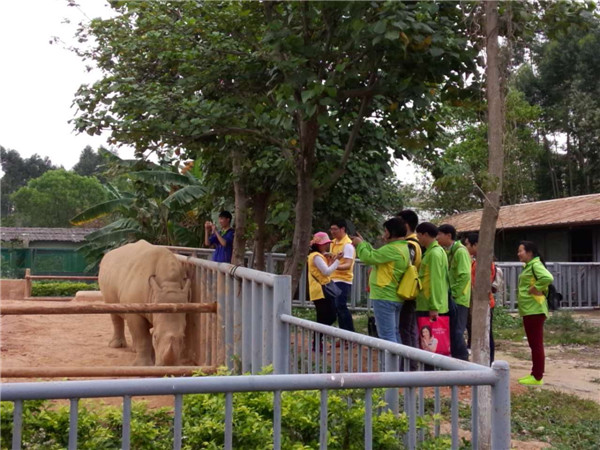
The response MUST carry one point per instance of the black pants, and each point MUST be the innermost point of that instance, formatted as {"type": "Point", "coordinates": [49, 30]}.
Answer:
{"type": "Point", "coordinates": [459, 315]}
{"type": "Point", "coordinates": [326, 311]}
{"type": "Point", "coordinates": [409, 331]}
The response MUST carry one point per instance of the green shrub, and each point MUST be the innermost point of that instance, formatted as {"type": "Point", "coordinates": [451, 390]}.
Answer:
{"type": "Point", "coordinates": [60, 289]}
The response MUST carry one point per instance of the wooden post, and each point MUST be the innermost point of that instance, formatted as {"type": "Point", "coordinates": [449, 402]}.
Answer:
{"type": "Point", "coordinates": [27, 283]}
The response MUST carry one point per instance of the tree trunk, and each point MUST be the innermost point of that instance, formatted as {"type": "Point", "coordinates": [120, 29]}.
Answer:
{"type": "Point", "coordinates": [305, 161]}
{"type": "Point", "coordinates": [241, 208]}
{"type": "Point", "coordinates": [260, 205]}
{"type": "Point", "coordinates": [481, 313]}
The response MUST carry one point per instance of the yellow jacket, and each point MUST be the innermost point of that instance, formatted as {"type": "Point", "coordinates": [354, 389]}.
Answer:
{"type": "Point", "coordinates": [346, 275]}
{"type": "Point", "coordinates": [315, 278]}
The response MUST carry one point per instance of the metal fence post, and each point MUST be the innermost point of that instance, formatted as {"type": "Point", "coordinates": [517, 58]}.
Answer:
{"type": "Point", "coordinates": [282, 304]}
{"type": "Point", "coordinates": [501, 407]}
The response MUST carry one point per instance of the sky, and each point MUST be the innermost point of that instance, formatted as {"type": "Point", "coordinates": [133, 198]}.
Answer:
{"type": "Point", "coordinates": [38, 80]}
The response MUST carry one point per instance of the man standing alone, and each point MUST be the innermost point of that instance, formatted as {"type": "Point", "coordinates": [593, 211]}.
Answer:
{"type": "Point", "coordinates": [221, 241]}
{"type": "Point", "coordinates": [344, 274]}
{"type": "Point", "coordinates": [459, 266]}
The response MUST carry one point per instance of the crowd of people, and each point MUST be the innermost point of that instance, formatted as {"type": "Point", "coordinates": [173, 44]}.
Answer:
{"type": "Point", "coordinates": [439, 316]}
{"type": "Point", "coordinates": [446, 273]}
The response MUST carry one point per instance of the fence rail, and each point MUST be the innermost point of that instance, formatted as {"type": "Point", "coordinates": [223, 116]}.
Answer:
{"type": "Point", "coordinates": [255, 328]}
{"type": "Point", "coordinates": [578, 282]}
{"type": "Point", "coordinates": [497, 377]}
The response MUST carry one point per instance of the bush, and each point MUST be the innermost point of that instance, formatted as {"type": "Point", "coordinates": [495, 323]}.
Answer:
{"type": "Point", "coordinates": [60, 289]}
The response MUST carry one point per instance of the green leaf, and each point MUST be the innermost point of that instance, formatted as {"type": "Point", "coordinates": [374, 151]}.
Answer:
{"type": "Point", "coordinates": [185, 196]}
{"type": "Point", "coordinates": [100, 210]}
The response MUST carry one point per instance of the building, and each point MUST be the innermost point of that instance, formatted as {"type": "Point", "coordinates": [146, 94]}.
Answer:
{"type": "Point", "coordinates": [565, 229]}
{"type": "Point", "coordinates": [46, 251]}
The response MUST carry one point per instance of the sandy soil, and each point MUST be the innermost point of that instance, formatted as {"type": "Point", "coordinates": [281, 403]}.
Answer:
{"type": "Point", "coordinates": [63, 340]}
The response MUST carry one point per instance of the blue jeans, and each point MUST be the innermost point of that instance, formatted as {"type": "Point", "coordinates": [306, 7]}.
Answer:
{"type": "Point", "coordinates": [387, 318]}
{"type": "Point", "coordinates": [341, 303]}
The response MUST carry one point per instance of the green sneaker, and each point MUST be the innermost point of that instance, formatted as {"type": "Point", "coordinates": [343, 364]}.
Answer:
{"type": "Point", "coordinates": [531, 381]}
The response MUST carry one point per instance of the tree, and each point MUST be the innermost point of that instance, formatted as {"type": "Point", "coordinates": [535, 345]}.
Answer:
{"type": "Point", "coordinates": [17, 172]}
{"type": "Point", "coordinates": [89, 163]}
{"type": "Point", "coordinates": [291, 75]}
{"type": "Point", "coordinates": [564, 85]}
{"type": "Point", "coordinates": [52, 199]}
{"type": "Point", "coordinates": [158, 204]}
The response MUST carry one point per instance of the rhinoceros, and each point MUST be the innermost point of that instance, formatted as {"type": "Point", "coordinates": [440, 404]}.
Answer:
{"type": "Point", "coordinates": [145, 273]}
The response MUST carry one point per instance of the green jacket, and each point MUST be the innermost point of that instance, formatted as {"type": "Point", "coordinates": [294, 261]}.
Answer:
{"type": "Point", "coordinates": [389, 264]}
{"type": "Point", "coordinates": [459, 266]}
{"type": "Point", "coordinates": [530, 304]}
{"type": "Point", "coordinates": [433, 274]}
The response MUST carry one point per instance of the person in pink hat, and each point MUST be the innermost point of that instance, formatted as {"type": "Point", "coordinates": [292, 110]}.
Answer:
{"type": "Point", "coordinates": [321, 264]}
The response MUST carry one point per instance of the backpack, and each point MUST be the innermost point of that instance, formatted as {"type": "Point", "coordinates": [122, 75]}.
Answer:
{"type": "Point", "coordinates": [409, 284]}
{"type": "Point", "coordinates": [553, 297]}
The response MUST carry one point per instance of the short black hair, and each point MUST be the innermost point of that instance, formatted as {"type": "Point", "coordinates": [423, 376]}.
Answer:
{"type": "Point", "coordinates": [340, 223]}
{"type": "Point", "coordinates": [427, 228]}
{"type": "Point", "coordinates": [226, 215]}
{"type": "Point", "coordinates": [410, 217]}
{"type": "Point", "coordinates": [396, 226]}
{"type": "Point", "coordinates": [448, 229]}
{"type": "Point", "coordinates": [473, 238]}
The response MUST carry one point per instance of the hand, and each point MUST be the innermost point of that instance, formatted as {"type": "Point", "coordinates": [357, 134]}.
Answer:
{"type": "Point", "coordinates": [534, 291]}
{"type": "Point", "coordinates": [433, 315]}
{"type": "Point", "coordinates": [208, 225]}
{"type": "Point", "coordinates": [357, 239]}
{"type": "Point", "coordinates": [213, 228]}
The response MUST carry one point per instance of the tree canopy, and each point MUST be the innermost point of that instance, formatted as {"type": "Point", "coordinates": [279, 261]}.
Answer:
{"type": "Point", "coordinates": [190, 78]}
{"type": "Point", "coordinates": [53, 198]}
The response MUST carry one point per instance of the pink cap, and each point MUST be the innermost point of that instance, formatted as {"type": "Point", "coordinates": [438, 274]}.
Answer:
{"type": "Point", "coordinates": [320, 238]}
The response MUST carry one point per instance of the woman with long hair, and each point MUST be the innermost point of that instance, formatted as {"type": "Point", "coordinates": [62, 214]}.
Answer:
{"type": "Point", "coordinates": [533, 307]}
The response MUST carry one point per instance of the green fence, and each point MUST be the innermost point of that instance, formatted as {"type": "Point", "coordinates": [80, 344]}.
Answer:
{"type": "Point", "coordinates": [42, 261]}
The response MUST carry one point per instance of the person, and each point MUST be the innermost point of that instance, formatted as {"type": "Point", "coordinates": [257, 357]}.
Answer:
{"type": "Point", "coordinates": [459, 269]}
{"type": "Point", "coordinates": [344, 274]}
{"type": "Point", "coordinates": [221, 241]}
{"type": "Point", "coordinates": [534, 281]}
{"type": "Point", "coordinates": [471, 243]}
{"type": "Point", "coordinates": [428, 342]}
{"type": "Point", "coordinates": [432, 299]}
{"type": "Point", "coordinates": [321, 264]}
{"type": "Point", "coordinates": [409, 331]}
{"type": "Point", "coordinates": [389, 264]}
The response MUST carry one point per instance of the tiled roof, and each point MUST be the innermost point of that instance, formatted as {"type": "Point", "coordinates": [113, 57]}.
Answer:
{"type": "Point", "coordinates": [562, 212]}
{"type": "Point", "coordinates": [44, 234]}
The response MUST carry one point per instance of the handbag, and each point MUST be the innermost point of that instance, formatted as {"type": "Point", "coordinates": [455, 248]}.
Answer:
{"type": "Point", "coordinates": [409, 284]}
{"type": "Point", "coordinates": [331, 290]}
{"type": "Point", "coordinates": [434, 336]}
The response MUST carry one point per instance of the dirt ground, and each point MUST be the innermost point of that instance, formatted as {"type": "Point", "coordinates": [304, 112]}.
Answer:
{"type": "Point", "coordinates": [67, 340]}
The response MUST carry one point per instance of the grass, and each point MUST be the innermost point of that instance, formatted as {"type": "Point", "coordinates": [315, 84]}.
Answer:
{"type": "Point", "coordinates": [564, 420]}
{"type": "Point", "coordinates": [560, 328]}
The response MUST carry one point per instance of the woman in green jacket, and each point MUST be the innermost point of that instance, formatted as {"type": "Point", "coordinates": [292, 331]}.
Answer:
{"type": "Point", "coordinates": [533, 307]}
{"type": "Point", "coordinates": [389, 264]}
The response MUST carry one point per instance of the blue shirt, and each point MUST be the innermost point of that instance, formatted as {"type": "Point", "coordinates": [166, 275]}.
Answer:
{"type": "Point", "coordinates": [222, 252]}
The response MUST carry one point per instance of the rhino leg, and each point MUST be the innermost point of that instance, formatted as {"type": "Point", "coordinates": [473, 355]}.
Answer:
{"type": "Point", "coordinates": [118, 340]}
{"type": "Point", "coordinates": [139, 328]}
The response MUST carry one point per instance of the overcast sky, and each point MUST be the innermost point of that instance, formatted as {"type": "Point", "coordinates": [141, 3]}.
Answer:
{"type": "Point", "coordinates": [38, 80]}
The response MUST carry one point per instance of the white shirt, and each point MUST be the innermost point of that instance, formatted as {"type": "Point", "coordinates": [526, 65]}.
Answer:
{"type": "Point", "coordinates": [323, 267]}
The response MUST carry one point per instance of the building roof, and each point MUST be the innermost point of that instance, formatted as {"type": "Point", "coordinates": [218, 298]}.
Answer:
{"type": "Point", "coordinates": [559, 213]}
{"type": "Point", "coordinates": [44, 234]}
